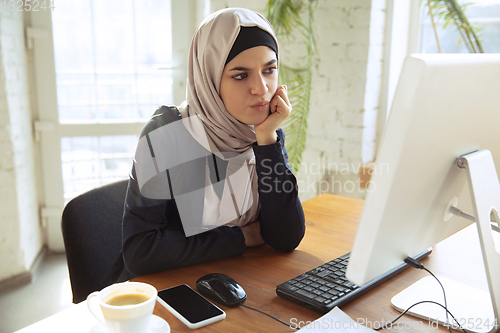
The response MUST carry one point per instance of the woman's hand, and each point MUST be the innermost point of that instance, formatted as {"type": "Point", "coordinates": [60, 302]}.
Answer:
{"type": "Point", "coordinates": [251, 232]}
{"type": "Point", "coordinates": [280, 109]}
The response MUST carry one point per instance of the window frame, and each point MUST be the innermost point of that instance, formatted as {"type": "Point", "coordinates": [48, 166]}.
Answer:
{"type": "Point", "coordinates": [49, 130]}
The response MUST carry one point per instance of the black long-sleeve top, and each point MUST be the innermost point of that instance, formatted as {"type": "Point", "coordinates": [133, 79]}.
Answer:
{"type": "Point", "coordinates": [153, 235]}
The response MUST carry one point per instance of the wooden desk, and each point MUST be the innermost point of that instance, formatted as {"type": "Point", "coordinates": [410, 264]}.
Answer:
{"type": "Point", "coordinates": [331, 223]}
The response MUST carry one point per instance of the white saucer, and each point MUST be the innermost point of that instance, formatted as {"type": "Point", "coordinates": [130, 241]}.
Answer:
{"type": "Point", "coordinates": [156, 325]}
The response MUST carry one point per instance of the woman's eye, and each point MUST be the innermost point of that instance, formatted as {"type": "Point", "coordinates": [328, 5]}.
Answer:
{"type": "Point", "coordinates": [270, 70]}
{"type": "Point", "coordinates": [240, 76]}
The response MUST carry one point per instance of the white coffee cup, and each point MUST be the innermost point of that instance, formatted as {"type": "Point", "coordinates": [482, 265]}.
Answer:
{"type": "Point", "coordinates": [130, 318]}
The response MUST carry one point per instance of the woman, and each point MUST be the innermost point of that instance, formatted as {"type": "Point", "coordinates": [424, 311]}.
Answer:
{"type": "Point", "coordinates": [235, 189]}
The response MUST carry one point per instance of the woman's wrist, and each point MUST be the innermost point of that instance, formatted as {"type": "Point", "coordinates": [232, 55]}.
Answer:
{"type": "Point", "coordinates": [252, 235]}
{"type": "Point", "coordinates": [264, 139]}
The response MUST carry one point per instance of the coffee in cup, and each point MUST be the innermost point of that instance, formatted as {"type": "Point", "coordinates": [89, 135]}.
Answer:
{"type": "Point", "coordinates": [126, 299]}
{"type": "Point", "coordinates": [124, 307]}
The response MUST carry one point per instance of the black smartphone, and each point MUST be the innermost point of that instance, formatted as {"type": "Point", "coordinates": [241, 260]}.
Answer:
{"type": "Point", "coordinates": [189, 306]}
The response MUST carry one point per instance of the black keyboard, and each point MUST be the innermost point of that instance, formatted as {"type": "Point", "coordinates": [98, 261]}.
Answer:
{"type": "Point", "coordinates": [326, 286]}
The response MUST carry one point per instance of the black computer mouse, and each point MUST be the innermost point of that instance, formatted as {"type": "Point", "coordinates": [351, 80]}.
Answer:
{"type": "Point", "coordinates": [221, 289]}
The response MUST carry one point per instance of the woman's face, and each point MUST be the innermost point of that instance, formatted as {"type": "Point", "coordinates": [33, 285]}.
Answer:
{"type": "Point", "coordinates": [248, 84]}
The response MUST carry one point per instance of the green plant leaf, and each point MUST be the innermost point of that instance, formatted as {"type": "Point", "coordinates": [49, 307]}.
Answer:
{"type": "Point", "coordinates": [295, 126]}
{"type": "Point", "coordinates": [286, 18]}
{"type": "Point", "coordinates": [451, 12]}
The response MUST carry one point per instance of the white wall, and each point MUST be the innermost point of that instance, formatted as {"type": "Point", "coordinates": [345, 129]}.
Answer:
{"type": "Point", "coordinates": [342, 124]}
{"type": "Point", "coordinates": [20, 231]}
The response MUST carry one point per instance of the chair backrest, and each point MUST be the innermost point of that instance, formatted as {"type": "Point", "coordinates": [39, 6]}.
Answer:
{"type": "Point", "coordinates": [92, 232]}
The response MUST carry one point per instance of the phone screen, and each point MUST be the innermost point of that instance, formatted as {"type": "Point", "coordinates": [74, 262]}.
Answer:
{"type": "Point", "coordinates": [189, 303]}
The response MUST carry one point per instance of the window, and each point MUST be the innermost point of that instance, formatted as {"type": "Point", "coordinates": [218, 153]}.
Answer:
{"type": "Point", "coordinates": [109, 59]}
{"type": "Point", "coordinates": [92, 161]}
{"type": "Point", "coordinates": [98, 77]}
{"type": "Point", "coordinates": [484, 13]}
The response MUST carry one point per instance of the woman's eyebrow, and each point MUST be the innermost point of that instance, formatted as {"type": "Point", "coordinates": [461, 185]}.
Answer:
{"type": "Point", "coordinates": [246, 69]}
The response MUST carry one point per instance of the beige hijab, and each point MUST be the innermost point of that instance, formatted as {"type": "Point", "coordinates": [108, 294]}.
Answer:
{"type": "Point", "coordinates": [207, 120]}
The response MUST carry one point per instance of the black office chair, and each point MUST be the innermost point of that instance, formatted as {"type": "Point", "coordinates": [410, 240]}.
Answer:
{"type": "Point", "coordinates": [92, 232]}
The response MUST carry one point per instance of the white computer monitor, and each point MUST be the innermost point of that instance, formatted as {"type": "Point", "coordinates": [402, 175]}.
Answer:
{"type": "Point", "coordinates": [445, 106]}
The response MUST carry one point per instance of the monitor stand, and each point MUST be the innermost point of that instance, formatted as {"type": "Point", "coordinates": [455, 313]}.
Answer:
{"type": "Point", "coordinates": [475, 309]}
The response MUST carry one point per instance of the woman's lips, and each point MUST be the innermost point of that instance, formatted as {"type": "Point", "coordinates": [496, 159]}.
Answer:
{"type": "Point", "coordinates": [261, 106]}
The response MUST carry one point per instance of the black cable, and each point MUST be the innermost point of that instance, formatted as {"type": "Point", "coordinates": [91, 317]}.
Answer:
{"type": "Point", "coordinates": [269, 316]}
{"type": "Point", "coordinates": [401, 315]}
{"type": "Point", "coordinates": [418, 265]}
{"type": "Point", "coordinates": [445, 304]}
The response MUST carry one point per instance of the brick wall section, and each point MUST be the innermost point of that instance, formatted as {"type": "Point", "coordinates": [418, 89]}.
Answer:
{"type": "Point", "coordinates": [344, 106]}
{"type": "Point", "coordinates": [20, 236]}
